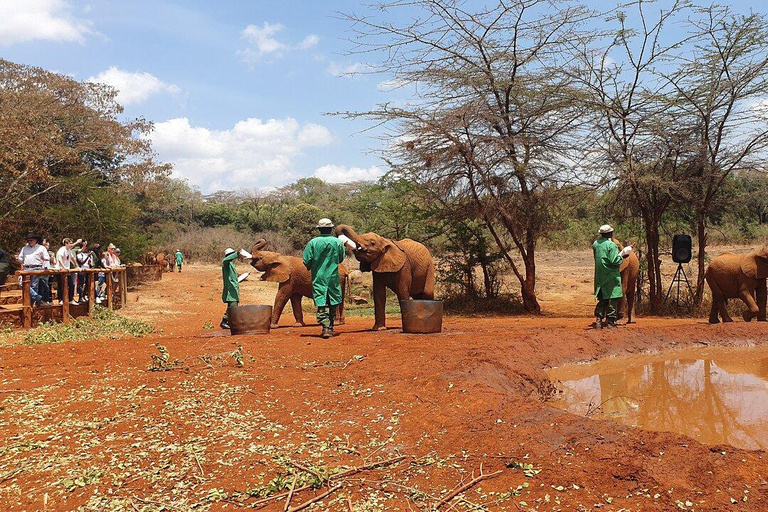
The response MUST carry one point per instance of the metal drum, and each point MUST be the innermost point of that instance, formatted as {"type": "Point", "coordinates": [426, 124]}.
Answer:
{"type": "Point", "coordinates": [250, 319]}
{"type": "Point", "coordinates": [422, 316]}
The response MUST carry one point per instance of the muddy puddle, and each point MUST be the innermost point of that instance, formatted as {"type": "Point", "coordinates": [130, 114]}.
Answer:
{"type": "Point", "coordinates": [714, 395]}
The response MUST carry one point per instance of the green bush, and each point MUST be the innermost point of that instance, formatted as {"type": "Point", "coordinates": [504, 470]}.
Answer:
{"type": "Point", "coordinates": [103, 323]}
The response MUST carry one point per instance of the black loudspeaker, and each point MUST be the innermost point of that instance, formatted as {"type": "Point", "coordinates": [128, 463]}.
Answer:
{"type": "Point", "coordinates": [681, 248]}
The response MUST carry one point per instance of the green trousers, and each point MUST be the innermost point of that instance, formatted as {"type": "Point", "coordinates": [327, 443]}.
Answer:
{"type": "Point", "coordinates": [325, 315]}
{"type": "Point", "coordinates": [607, 308]}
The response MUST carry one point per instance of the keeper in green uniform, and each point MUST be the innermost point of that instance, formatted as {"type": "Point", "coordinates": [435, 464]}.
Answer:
{"type": "Point", "coordinates": [322, 256]}
{"type": "Point", "coordinates": [179, 259]}
{"type": "Point", "coordinates": [230, 295]}
{"type": "Point", "coordinates": [608, 290]}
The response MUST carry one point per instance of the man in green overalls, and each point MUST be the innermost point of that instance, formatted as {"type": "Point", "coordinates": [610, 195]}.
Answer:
{"type": "Point", "coordinates": [230, 295]}
{"type": "Point", "coordinates": [607, 277]}
{"type": "Point", "coordinates": [322, 256]}
{"type": "Point", "coordinates": [179, 259]}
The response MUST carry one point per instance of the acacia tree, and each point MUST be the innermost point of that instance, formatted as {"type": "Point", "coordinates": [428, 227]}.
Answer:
{"type": "Point", "coordinates": [60, 139]}
{"type": "Point", "coordinates": [493, 116]}
{"type": "Point", "coordinates": [720, 95]}
{"type": "Point", "coordinates": [638, 139]}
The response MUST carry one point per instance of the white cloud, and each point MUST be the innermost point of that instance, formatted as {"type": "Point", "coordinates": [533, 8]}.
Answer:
{"type": "Point", "coordinates": [341, 174]}
{"type": "Point", "coordinates": [265, 43]}
{"type": "Point", "coordinates": [252, 154]}
{"type": "Point", "coordinates": [347, 70]}
{"type": "Point", "coordinates": [133, 87]}
{"type": "Point", "coordinates": [50, 20]}
{"type": "Point", "coordinates": [309, 42]}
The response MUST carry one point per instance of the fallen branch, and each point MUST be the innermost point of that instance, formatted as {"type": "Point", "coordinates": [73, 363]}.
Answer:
{"type": "Point", "coordinates": [290, 493]}
{"type": "Point", "coordinates": [465, 487]}
{"type": "Point", "coordinates": [343, 474]}
{"type": "Point", "coordinates": [373, 465]}
{"type": "Point", "coordinates": [315, 499]}
{"type": "Point", "coordinates": [307, 470]}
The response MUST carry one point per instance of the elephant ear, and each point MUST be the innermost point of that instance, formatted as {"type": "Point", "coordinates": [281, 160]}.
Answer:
{"type": "Point", "coordinates": [391, 260]}
{"type": "Point", "coordinates": [755, 265]}
{"type": "Point", "coordinates": [279, 271]}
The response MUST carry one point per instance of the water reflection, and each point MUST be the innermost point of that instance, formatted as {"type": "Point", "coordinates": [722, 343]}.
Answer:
{"type": "Point", "coordinates": [716, 396]}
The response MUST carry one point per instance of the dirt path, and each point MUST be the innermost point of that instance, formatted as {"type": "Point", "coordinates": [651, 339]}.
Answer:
{"type": "Point", "coordinates": [86, 426]}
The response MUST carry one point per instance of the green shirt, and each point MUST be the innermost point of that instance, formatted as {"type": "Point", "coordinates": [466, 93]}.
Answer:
{"type": "Point", "coordinates": [179, 258]}
{"type": "Point", "coordinates": [231, 292]}
{"type": "Point", "coordinates": [322, 256]}
{"type": "Point", "coordinates": [607, 263]}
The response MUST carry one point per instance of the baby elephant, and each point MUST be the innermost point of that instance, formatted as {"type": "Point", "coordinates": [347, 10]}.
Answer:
{"type": "Point", "coordinates": [742, 276]}
{"type": "Point", "coordinates": [295, 282]}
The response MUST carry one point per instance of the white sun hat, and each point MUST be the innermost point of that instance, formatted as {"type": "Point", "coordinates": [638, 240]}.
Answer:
{"type": "Point", "coordinates": [228, 251]}
{"type": "Point", "coordinates": [324, 223]}
{"type": "Point", "coordinates": [605, 229]}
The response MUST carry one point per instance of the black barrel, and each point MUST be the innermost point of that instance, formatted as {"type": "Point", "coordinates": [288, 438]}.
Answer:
{"type": "Point", "coordinates": [422, 316]}
{"type": "Point", "coordinates": [250, 319]}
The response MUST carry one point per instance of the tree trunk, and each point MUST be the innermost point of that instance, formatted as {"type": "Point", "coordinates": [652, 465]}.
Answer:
{"type": "Point", "coordinates": [528, 289]}
{"type": "Point", "coordinates": [701, 230]}
{"type": "Point", "coordinates": [655, 293]}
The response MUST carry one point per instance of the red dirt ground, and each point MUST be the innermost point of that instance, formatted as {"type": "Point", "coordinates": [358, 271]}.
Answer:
{"type": "Point", "coordinates": [86, 426]}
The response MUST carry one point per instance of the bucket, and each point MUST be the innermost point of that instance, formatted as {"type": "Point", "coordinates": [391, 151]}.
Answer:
{"type": "Point", "coordinates": [422, 316]}
{"type": "Point", "coordinates": [250, 319]}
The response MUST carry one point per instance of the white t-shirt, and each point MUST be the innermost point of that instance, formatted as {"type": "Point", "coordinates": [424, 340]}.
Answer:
{"type": "Point", "coordinates": [33, 256]}
{"type": "Point", "coordinates": [64, 258]}
{"type": "Point", "coordinates": [84, 259]}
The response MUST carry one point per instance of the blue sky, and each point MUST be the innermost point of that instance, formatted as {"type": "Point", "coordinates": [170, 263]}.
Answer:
{"type": "Point", "coordinates": [212, 76]}
{"type": "Point", "coordinates": [237, 89]}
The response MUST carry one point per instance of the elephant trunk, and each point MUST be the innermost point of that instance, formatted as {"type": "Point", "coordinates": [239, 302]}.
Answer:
{"type": "Point", "coordinates": [259, 245]}
{"type": "Point", "coordinates": [349, 233]}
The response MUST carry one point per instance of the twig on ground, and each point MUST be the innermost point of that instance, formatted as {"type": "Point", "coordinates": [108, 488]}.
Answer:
{"type": "Point", "coordinates": [11, 475]}
{"type": "Point", "coordinates": [343, 474]}
{"type": "Point", "coordinates": [307, 470]}
{"type": "Point", "coordinates": [200, 466]}
{"type": "Point", "coordinates": [315, 499]}
{"type": "Point", "coordinates": [349, 504]}
{"type": "Point", "coordinates": [290, 493]}
{"type": "Point", "coordinates": [466, 486]}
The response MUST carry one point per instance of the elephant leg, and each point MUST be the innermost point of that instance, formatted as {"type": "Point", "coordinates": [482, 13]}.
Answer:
{"type": "Point", "coordinates": [379, 304]}
{"type": "Point", "coordinates": [762, 295]}
{"type": "Point", "coordinates": [713, 318]}
{"type": "Point", "coordinates": [281, 299]}
{"type": "Point", "coordinates": [749, 300]}
{"type": "Point", "coordinates": [630, 306]}
{"type": "Point", "coordinates": [298, 314]}
{"type": "Point", "coordinates": [723, 309]}
{"type": "Point", "coordinates": [339, 318]}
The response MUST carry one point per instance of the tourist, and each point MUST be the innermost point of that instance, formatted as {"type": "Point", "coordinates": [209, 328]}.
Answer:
{"type": "Point", "coordinates": [322, 256]}
{"type": "Point", "coordinates": [5, 267]}
{"type": "Point", "coordinates": [85, 259]}
{"type": "Point", "coordinates": [65, 260]}
{"type": "Point", "coordinates": [44, 284]}
{"type": "Point", "coordinates": [32, 257]}
{"type": "Point", "coordinates": [608, 290]}
{"type": "Point", "coordinates": [230, 294]}
{"type": "Point", "coordinates": [179, 259]}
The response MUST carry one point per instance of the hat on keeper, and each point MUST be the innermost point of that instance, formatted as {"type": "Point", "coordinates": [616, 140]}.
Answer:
{"type": "Point", "coordinates": [324, 223]}
{"type": "Point", "coordinates": [228, 251]}
{"type": "Point", "coordinates": [605, 229]}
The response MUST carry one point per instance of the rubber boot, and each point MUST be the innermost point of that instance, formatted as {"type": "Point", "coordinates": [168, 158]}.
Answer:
{"type": "Point", "coordinates": [327, 333]}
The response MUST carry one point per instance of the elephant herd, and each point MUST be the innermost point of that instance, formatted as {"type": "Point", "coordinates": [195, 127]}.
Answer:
{"type": "Point", "coordinates": [406, 267]}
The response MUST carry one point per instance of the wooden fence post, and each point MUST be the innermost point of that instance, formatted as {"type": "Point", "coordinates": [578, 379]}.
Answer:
{"type": "Point", "coordinates": [92, 276]}
{"type": "Point", "coordinates": [64, 296]}
{"type": "Point", "coordinates": [110, 288]}
{"type": "Point", "coordinates": [123, 287]}
{"type": "Point", "coordinates": [26, 302]}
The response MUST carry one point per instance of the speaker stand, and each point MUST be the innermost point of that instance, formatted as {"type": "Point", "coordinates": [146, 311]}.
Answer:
{"type": "Point", "coordinates": [678, 278]}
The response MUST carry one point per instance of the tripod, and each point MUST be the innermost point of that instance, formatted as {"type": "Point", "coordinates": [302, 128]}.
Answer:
{"type": "Point", "coordinates": [678, 278]}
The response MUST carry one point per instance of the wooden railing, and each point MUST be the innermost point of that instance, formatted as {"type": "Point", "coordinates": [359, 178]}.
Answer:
{"type": "Point", "coordinates": [113, 290]}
